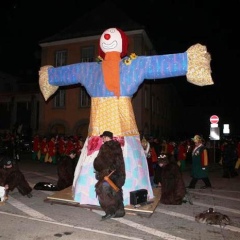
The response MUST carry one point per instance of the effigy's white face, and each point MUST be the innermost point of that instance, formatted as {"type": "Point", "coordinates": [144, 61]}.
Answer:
{"type": "Point", "coordinates": [111, 40]}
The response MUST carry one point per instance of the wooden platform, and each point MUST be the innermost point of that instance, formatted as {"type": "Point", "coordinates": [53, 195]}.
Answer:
{"type": "Point", "coordinates": [65, 197]}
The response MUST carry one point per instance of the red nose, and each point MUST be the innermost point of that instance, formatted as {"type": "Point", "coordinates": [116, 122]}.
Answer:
{"type": "Point", "coordinates": [107, 36]}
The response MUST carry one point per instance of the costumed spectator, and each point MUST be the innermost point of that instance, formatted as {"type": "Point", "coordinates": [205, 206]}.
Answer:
{"type": "Point", "coordinates": [146, 146]}
{"type": "Point", "coordinates": [61, 146]}
{"type": "Point", "coordinates": [190, 147]}
{"type": "Point", "coordinates": [43, 149]}
{"type": "Point", "coordinates": [157, 146]}
{"type": "Point", "coordinates": [65, 170]}
{"type": "Point", "coordinates": [175, 151]}
{"type": "Point", "coordinates": [152, 161]}
{"type": "Point", "coordinates": [171, 148]}
{"type": "Point", "coordinates": [210, 150]}
{"type": "Point", "coordinates": [111, 82]}
{"type": "Point", "coordinates": [158, 171]}
{"type": "Point", "coordinates": [199, 164]}
{"type": "Point", "coordinates": [52, 151]}
{"type": "Point", "coordinates": [70, 145]}
{"type": "Point", "coordinates": [36, 149]}
{"type": "Point", "coordinates": [109, 164]}
{"type": "Point", "coordinates": [181, 155]}
{"type": "Point", "coordinates": [11, 177]}
{"type": "Point", "coordinates": [154, 152]}
{"type": "Point", "coordinates": [173, 189]}
{"type": "Point", "coordinates": [229, 158]}
{"type": "Point", "coordinates": [147, 149]}
{"type": "Point", "coordinates": [164, 147]}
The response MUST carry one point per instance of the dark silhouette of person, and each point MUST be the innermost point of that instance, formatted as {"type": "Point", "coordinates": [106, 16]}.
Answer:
{"type": "Point", "coordinates": [229, 158]}
{"type": "Point", "coordinates": [65, 170]}
{"type": "Point", "coordinates": [173, 189]}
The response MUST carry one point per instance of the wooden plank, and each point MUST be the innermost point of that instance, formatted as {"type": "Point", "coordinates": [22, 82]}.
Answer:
{"type": "Point", "coordinates": [65, 197]}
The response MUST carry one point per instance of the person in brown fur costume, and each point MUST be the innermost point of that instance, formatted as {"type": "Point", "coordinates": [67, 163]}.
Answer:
{"type": "Point", "coordinates": [65, 170]}
{"type": "Point", "coordinates": [11, 177]}
{"type": "Point", "coordinates": [173, 188]}
{"type": "Point", "coordinates": [110, 160]}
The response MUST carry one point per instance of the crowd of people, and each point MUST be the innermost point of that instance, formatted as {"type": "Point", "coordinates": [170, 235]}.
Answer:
{"type": "Point", "coordinates": [45, 149]}
{"type": "Point", "coordinates": [227, 153]}
{"type": "Point", "coordinates": [166, 162]}
{"type": "Point", "coordinates": [49, 149]}
{"type": "Point", "coordinates": [62, 151]}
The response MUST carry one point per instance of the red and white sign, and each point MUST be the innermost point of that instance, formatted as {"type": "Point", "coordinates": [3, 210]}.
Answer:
{"type": "Point", "coordinates": [214, 119]}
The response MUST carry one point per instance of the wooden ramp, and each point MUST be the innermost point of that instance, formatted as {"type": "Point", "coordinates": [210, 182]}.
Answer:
{"type": "Point", "coordinates": [65, 197]}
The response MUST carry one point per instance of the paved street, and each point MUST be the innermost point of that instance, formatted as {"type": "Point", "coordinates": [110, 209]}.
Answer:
{"type": "Point", "coordinates": [32, 218]}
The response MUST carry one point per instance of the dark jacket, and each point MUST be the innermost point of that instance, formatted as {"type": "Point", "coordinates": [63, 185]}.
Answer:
{"type": "Point", "coordinates": [14, 178]}
{"type": "Point", "coordinates": [172, 186]}
{"type": "Point", "coordinates": [198, 169]}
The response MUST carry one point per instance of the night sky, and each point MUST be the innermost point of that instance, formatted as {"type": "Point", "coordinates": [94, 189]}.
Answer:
{"type": "Point", "coordinates": [173, 27]}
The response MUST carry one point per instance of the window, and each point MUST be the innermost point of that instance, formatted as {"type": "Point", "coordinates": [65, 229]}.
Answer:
{"type": "Point", "coordinates": [85, 100]}
{"type": "Point", "coordinates": [87, 54]}
{"type": "Point", "coordinates": [60, 98]}
{"type": "Point", "coordinates": [61, 58]}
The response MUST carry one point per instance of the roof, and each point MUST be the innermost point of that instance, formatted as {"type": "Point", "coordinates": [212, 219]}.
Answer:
{"type": "Point", "coordinates": [94, 22]}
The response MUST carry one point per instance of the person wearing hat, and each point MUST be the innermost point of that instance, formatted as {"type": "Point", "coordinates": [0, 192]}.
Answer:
{"type": "Point", "coordinates": [106, 136]}
{"type": "Point", "coordinates": [109, 163]}
{"type": "Point", "coordinates": [199, 164]}
{"type": "Point", "coordinates": [11, 177]}
{"type": "Point", "coordinates": [150, 153]}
